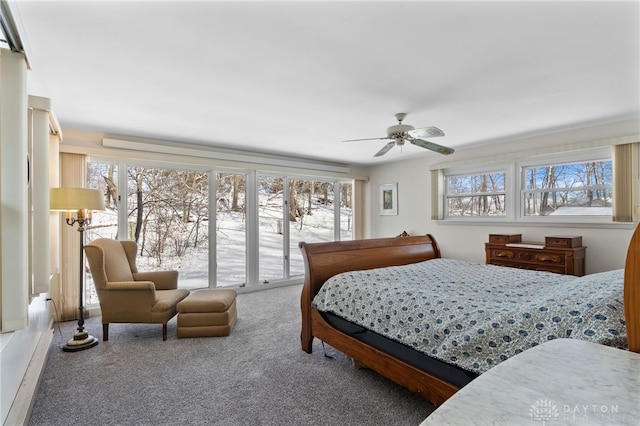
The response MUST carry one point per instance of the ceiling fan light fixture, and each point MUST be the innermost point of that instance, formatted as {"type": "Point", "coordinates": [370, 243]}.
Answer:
{"type": "Point", "coordinates": [399, 129]}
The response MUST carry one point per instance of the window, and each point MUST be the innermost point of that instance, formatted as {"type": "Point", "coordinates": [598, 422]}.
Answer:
{"type": "Point", "coordinates": [297, 209]}
{"type": "Point", "coordinates": [312, 213]}
{"type": "Point", "coordinates": [251, 236]}
{"type": "Point", "coordinates": [167, 215]}
{"type": "Point", "coordinates": [577, 189]}
{"type": "Point", "coordinates": [104, 224]}
{"type": "Point", "coordinates": [231, 229]}
{"type": "Point", "coordinates": [271, 228]}
{"type": "Point", "coordinates": [346, 211]}
{"type": "Point", "coordinates": [576, 185]}
{"type": "Point", "coordinates": [481, 194]}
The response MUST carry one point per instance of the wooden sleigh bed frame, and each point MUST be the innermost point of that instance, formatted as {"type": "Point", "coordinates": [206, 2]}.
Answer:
{"type": "Point", "coordinates": [324, 260]}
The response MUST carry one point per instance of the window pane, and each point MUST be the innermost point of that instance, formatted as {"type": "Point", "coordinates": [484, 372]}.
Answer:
{"type": "Point", "coordinates": [346, 212]}
{"type": "Point", "coordinates": [568, 203]}
{"type": "Point", "coordinates": [168, 218]}
{"type": "Point", "coordinates": [231, 229]}
{"type": "Point", "coordinates": [476, 195]}
{"type": "Point", "coordinates": [271, 236]}
{"type": "Point", "coordinates": [574, 175]}
{"type": "Point", "coordinates": [483, 205]}
{"type": "Point", "coordinates": [472, 184]}
{"type": "Point", "coordinates": [568, 189]}
{"type": "Point", "coordinates": [104, 224]}
{"type": "Point", "coordinates": [311, 217]}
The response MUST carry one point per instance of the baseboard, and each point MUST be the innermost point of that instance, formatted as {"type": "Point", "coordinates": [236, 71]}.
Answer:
{"type": "Point", "coordinates": [23, 402]}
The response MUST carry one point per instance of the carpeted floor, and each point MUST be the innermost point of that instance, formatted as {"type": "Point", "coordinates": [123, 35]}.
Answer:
{"type": "Point", "coordinates": [258, 375]}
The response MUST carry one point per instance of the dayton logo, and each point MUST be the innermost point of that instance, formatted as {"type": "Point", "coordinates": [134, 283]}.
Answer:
{"type": "Point", "coordinates": [544, 411]}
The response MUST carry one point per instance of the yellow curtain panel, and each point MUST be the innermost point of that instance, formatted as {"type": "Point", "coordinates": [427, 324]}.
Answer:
{"type": "Point", "coordinates": [626, 172]}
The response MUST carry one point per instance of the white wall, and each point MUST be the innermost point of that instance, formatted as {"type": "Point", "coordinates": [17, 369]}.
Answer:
{"type": "Point", "coordinates": [606, 246]}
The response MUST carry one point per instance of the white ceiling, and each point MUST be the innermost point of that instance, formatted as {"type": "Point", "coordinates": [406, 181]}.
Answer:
{"type": "Point", "coordinates": [297, 78]}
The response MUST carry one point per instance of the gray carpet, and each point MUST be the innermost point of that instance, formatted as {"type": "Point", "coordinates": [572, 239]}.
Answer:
{"type": "Point", "coordinates": [258, 375]}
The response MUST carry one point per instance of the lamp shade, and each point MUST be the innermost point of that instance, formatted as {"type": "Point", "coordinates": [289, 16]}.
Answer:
{"type": "Point", "coordinates": [76, 199]}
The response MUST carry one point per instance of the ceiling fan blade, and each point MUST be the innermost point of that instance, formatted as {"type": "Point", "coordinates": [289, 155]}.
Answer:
{"type": "Point", "coordinates": [366, 139]}
{"type": "Point", "coordinates": [385, 149]}
{"type": "Point", "coordinates": [426, 132]}
{"type": "Point", "coordinates": [432, 146]}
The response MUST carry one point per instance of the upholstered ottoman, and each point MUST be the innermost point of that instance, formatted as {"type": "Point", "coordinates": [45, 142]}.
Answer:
{"type": "Point", "coordinates": [207, 313]}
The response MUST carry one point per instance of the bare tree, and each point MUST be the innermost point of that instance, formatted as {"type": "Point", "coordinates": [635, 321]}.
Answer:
{"type": "Point", "coordinates": [137, 174]}
{"type": "Point", "coordinates": [238, 183]}
{"type": "Point", "coordinates": [111, 190]}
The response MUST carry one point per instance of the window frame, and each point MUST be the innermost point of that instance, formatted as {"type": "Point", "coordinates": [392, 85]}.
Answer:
{"type": "Point", "coordinates": [586, 155]}
{"type": "Point", "coordinates": [252, 232]}
{"type": "Point", "coordinates": [485, 168]}
{"type": "Point", "coordinates": [514, 190]}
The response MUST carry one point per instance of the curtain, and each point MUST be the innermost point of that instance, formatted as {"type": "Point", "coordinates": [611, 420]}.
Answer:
{"type": "Point", "coordinates": [358, 209]}
{"type": "Point", "coordinates": [72, 174]}
{"type": "Point", "coordinates": [437, 193]}
{"type": "Point", "coordinates": [626, 173]}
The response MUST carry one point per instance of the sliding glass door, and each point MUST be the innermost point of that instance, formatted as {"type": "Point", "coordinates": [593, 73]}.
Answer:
{"type": "Point", "coordinates": [311, 217]}
{"type": "Point", "coordinates": [295, 209]}
{"type": "Point", "coordinates": [218, 229]}
{"type": "Point", "coordinates": [231, 229]}
{"type": "Point", "coordinates": [271, 232]}
{"type": "Point", "coordinates": [167, 215]}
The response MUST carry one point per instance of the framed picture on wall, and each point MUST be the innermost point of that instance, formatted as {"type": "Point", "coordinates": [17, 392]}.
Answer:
{"type": "Point", "coordinates": [389, 199]}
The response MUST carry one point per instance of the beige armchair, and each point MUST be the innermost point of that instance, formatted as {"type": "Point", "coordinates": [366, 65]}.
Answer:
{"type": "Point", "coordinates": [129, 296]}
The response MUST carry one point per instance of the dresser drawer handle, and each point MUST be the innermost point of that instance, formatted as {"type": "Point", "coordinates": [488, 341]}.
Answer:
{"type": "Point", "coordinates": [548, 258]}
{"type": "Point", "coordinates": [508, 254]}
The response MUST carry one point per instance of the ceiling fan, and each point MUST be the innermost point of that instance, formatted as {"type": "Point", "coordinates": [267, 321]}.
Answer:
{"type": "Point", "coordinates": [400, 133]}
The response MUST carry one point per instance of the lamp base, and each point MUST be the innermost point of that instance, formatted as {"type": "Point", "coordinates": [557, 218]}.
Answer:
{"type": "Point", "coordinates": [81, 340]}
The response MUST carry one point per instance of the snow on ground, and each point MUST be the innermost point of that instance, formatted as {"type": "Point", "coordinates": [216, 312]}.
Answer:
{"type": "Point", "coordinates": [582, 211]}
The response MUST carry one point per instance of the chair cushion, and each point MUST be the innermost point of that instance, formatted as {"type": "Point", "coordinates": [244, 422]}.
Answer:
{"type": "Point", "coordinates": [204, 319]}
{"type": "Point", "coordinates": [208, 300]}
{"type": "Point", "coordinates": [166, 300]}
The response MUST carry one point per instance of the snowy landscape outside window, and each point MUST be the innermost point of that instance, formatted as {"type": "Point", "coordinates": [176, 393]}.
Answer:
{"type": "Point", "coordinates": [104, 224]}
{"type": "Point", "coordinates": [168, 215]}
{"type": "Point", "coordinates": [568, 189]}
{"type": "Point", "coordinates": [304, 210]}
{"type": "Point", "coordinates": [573, 186]}
{"type": "Point", "coordinates": [231, 229]}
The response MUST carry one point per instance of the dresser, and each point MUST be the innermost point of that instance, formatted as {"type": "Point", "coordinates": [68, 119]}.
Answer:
{"type": "Point", "coordinates": [561, 254]}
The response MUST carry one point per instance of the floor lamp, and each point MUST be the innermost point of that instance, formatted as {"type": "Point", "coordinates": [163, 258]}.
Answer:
{"type": "Point", "coordinates": [82, 201]}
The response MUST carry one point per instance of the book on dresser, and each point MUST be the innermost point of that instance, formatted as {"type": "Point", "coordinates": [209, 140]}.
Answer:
{"type": "Point", "coordinates": [562, 254]}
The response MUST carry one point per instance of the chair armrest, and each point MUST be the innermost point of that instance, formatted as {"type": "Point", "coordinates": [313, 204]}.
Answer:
{"type": "Point", "coordinates": [119, 298]}
{"type": "Point", "coordinates": [164, 280]}
{"type": "Point", "coordinates": [131, 286]}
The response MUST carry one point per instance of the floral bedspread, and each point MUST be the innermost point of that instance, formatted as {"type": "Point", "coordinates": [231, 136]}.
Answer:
{"type": "Point", "coordinates": [476, 316]}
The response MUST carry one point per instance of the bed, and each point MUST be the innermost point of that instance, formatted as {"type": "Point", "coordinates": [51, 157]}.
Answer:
{"type": "Point", "coordinates": [430, 371]}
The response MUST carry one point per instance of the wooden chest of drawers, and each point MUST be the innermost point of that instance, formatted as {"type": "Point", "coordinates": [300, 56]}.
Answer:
{"type": "Point", "coordinates": [557, 254]}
